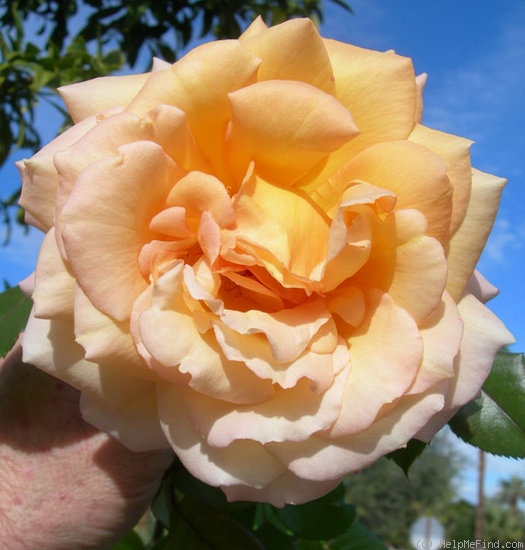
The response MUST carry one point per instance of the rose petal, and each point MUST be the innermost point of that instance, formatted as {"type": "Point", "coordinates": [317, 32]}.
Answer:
{"type": "Point", "coordinates": [290, 415]}
{"type": "Point", "coordinates": [39, 177]}
{"type": "Point", "coordinates": [224, 66]}
{"type": "Point", "coordinates": [54, 284]}
{"type": "Point", "coordinates": [455, 151]}
{"type": "Point", "coordinates": [91, 97]}
{"type": "Point", "coordinates": [415, 174]}
{"type": "Point", "coordinates": [316, 124]}
{"type": "Point", "coordinates": [102, 241]}
{"type": "Point", "coordinates": [320, 458]}
{"type": "Point", "coordinates": [379, 89]}
{"type": "Point", "coordinates": [484, 334]}
{"type": "Point", "coordinates": [112, 402]}
{"type": "Point", "coordinates": [216, 466]}
{"type": "Point", "coordinates": [441, 333]}
{"type": "Point", "coordinates": [292, 50]}
{"type": "Point", "coordinates": [386, 351]}
{"type": "Point", "coordinates": [468, 242]}
{"type": "Point", "coordinates": [273, 224]}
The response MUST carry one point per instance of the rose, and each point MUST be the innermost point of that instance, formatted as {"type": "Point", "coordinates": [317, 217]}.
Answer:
{"type": "Point", "coordinates": [260, 257]}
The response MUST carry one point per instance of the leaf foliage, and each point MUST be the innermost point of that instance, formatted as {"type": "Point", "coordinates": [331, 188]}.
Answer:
{"type": "Point", "coordinates": [14, 312]}
{"type": "Point", "coordinates": [495, 422]}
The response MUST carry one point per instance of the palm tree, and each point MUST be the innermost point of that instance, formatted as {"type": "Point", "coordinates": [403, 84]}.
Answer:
{"type": "Point", "coordinates": [511, 491]}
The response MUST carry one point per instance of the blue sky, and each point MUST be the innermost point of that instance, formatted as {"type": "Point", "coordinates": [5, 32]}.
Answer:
{"type": "Point", "coordinates": [474, 54]}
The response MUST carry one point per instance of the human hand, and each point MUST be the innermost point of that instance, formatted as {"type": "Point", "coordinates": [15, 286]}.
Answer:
{"type": "Point", "coordinates": [63, 484]}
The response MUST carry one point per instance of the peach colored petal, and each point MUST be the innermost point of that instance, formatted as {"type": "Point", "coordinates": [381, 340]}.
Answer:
{"type": "Point", "coordinates": [386, 351]}
{"type": "Point", "coordinates": [199, 84]}
{"type": "Point", "coordinates": [91, 97]}
{"type": "Point", "coordinates": [255, 27]}
{"type": "Point", "coordinates": [232, 465]}
{"type": "Point", "coordinates": [286, 489]}
{"type": "Point", "coordinates": [351, 233]}
{"type": "Point", "coordinates": [455, 151]}
{"type": "Point", "coordinates": [165, 125]}
{"type": "Point", "coordinates": [421, 80]}
{"type": "Point", "coordinates": [415, 174]}
{"type": "Point", "coordinates": [316, 124]}
{"type": "Point", "coordinates": [197, 193]}
{"type": "Point", "coordinates": [292, 50]}
{"type": "Point", "coordinates": [482, 289]}
{"type": "Point", "coordinates": [273, 224]}
{"type": "Point", "coordinates": [39, 177]}
{"type": "Point", "coordinates": [54, 284]}
{"type": "Point", "coordinates": [349, 304]}
{"type": "Point", "coordinates": [379, 89]}
{"type": "Point", "coordinates": [468, 242]}
{"type": "Point", "coordinates": [106, 341]}
{"type": "Point", "coordinates": [484, 334]}
{"type": "Point", "coordinates": [321, 458]}
{"type": "Point", "coordinates": [288, 331]}
{"type": "Point", "coordinates": [290, 415]}
{"type": "Point", "coordinates": [419, 276]}
{"type": "Point", "coordinates": [319, 363]}
{"type": "Point", "coordinates": [441, 333]}
{"type": "Point", "coordinates": [127, 411]}
{"type": "Point", "coordinates": [105, 223]}
{"type": "Point", "coordinates": [114, 403]}
{"type": "Point", "coordinates": [180, 344]}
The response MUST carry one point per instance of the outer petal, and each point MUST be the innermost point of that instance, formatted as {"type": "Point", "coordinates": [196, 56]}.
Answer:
{"type": "Point", "coordinates": [54, 290]}
{"type": "Point", "coordinates": [484, 334]}
{"type": "Point", "coordinates": [286, 127]}
{"type": "Point", "coordinates": [385, 355]}
{"type": "Point", "coordinates": [123, 406]}
{"type": "Point", "coordinates": [291, 415]}
{"type": "Point", "coordinates": [106, 222]}
{"type": "Point", "coordinates": [415, 174]}
{"type": "Point", "coordinates": [286, 489]}
{"type": "Point", "coordinates": [441, 333]}
{"type": "Point", "coordinates": [216, 466]}
{"type": "Point", "coordinates": [321, 458]}
{"type": "Point", "coordinates": [223, 66]}
{"type": "Point", "coordinates": [455, 151]}
{"type": "Point", "coordinates": [379, 89]}
{"type": "Point", "coordinates": [468, 242]}
{"type": "Point", "coordinates": [292, 50]}
{"type": "Point", "coordinates": [106, 341]}
{"type": "Point", "coordinates": [39, 177]}
{"type": "Point", "coordinates": [91, 97]}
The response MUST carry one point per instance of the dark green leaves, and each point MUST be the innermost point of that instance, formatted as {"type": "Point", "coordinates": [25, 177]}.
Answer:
{"type": "Point", "coordinates": [324, 518]}
{"type": "Point", "coordinates": [406, 456]}
{"type": "Point", "coordinates": [495, 422]}
{"type": "Point", "coordinates": [198, 517]}
{"type": "Point", "coordinates": [14, 312]}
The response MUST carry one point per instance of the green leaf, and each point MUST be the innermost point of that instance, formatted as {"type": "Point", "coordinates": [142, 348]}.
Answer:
{"type": "Point", "coordinates": [195, 526]}
{"type": "Point", "coordinates": [274, 538]}
{"type": "Point", "coordinates": [357, 537]}
{"type": "Point", "coordinates": [406, 456]}
{"type": "Point", "coordinates": [130, 542]}
{"type": "Point", "coordinates": [495, 422]}
{"type": "Point", "coordinates": [14, 312]}
{"type": "Point", "coordinates": [324, 518]}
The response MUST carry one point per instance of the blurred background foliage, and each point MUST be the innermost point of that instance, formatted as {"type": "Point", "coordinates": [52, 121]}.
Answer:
{"type": "Point", "coordinates": [45, 44]}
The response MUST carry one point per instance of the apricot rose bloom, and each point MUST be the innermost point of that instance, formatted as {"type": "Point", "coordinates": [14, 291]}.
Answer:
{"type": "Point", "coordinates": [259, 257]}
